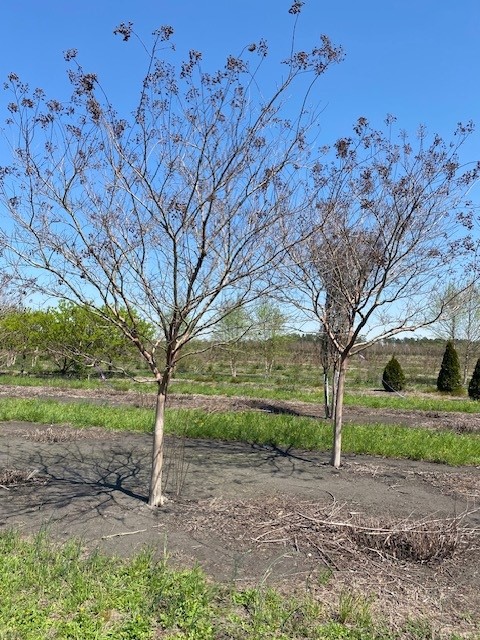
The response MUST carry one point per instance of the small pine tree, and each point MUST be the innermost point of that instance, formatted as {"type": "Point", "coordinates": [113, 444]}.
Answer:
{"type": "Point", "coordinates": [449, 378]}
{"type": "Point", "coordinates": [474, 385]}
{"type": "Point", "coordinates": [393, 377]}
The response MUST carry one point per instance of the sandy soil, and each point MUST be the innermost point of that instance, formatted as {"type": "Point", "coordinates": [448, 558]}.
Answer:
{"type": "Point", "coordinates": [257, 515]}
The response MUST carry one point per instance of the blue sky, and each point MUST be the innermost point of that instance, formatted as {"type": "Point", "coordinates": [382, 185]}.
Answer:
{"type": "Point", "coordinates": [416, 59]}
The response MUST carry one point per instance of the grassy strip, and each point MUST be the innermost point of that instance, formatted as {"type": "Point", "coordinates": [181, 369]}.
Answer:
{"type": "Point", "coordinates": [280, 430]}
{"type": "Point", "coordinates": [257, 389]}
{"type": "Point", "coordinates": [77, 414]}
{"type": "Point", "coordinates": [304, 433]}
{"type": "Point", "coordinates": [59, 592]}
{"type": "Point", "coordinates": [263, 390]}
{"type": "Point", "coordinates": [435, 402]}
{"type": "Point", "coordinates": [53, 382]}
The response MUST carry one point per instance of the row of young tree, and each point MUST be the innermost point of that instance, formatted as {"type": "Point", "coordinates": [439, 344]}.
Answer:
{"type": "Point", "coordinates": [216, 191]}
{"type": "Point", "coordinates": [459, 319]}
{"type": "Point", "coordinates": [449, 378]}
{"type": "Point", "coordinates": [76, 340]}
{"type": "Point", "coordinates": [70, 336]}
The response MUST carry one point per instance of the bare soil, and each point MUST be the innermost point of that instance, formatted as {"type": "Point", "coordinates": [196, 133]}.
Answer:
{"type": "Point", "coordinates": [257, 515]}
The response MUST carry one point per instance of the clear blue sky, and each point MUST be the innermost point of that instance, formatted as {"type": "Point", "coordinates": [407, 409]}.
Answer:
{"type": "Point", "coordinates": [417, 59]}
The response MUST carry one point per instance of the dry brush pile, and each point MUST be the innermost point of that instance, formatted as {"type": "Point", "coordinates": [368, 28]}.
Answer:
{"type": "Point", "coordinates": [333, 533]}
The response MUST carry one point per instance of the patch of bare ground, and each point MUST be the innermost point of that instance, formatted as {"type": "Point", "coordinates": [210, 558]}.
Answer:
{"type": "Point", "coordinates": [409, 567]}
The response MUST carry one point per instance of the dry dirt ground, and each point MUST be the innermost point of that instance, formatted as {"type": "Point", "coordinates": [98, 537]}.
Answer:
{"type": "Point", "coordinates": [406, 534]}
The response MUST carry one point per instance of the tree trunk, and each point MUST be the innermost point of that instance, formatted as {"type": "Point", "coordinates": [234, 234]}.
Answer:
{"type": "Point", "coordinates": [155, 498]}
{"type": "Point", "coordinates": [338, 415]}
{"type": "Point", "coordinates": [466, 362]}
{"type": "Point", "coordinates": [326, 394]}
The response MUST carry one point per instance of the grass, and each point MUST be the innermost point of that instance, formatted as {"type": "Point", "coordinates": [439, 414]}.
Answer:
{"type": "Point", "coordinates": [279, 430]}
{"type": "Point", "coordinates": [60, 592]}
{"type": "Point", "coordinates": [55, 381]}
{"type": "Point", "coordinates": [77, 414]}
{"type": "Point", "coordinates": [433, 402]}
{"type": "Point", "coordinates": [355, 396]}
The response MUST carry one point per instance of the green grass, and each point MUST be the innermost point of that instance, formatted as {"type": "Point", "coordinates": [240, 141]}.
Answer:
{"type": "Point", "coordinates": [77, 414]}
{"type": "Point", "coordinates": [257, 389]}
{"type": "Point", "coordinates": [262, 389]}
{"type": "Point", "coordinates": [434, 402]}
{"type": "Point", "coordinates": [55, 381]}
{"type": "Point", "coordinates": [62, 593]}
{"type": "Point", "coordinates": [304, 433]}
{"type": "Point", "coordinates": [279, 430]}
{"type": "Point", "coordinates": [59, 593]}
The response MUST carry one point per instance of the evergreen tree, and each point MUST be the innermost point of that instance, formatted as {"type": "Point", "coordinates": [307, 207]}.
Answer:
{"type": "Point", "coordinates": [393, 377]}
{"type": "Point", "coordinates": [474, 385]}
{"type": "Point", "coordinates": [449, 378]}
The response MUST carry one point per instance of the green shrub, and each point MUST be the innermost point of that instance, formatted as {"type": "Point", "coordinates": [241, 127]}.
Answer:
{"type": "Point", "coordinates": [449, 378]}
{"type": "Point", "coordinates": [393, 377]}
{"type": "Point", "coordinates": [474, 384]}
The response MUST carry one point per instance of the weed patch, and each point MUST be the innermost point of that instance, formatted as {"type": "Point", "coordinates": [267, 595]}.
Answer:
{"type": "Point", "coordinates": [51, 591]}
{"type": "Point", "coordinates": [283, 431]}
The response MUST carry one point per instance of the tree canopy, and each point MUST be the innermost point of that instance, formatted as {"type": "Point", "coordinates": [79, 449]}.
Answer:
{"type": "Point", "coordinates": [164, 215]}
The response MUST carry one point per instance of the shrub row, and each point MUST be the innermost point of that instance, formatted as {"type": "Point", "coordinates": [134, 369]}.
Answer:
{"type": "Point", "coordinates": [449, 377]}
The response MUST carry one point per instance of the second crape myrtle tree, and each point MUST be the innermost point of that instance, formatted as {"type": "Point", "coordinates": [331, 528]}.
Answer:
{"type": "Point", "coordinates": [388, 221]}
{"type": "Point", "coordinates": [164, 215]}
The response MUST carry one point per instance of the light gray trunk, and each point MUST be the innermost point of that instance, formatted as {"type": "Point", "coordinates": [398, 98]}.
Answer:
{"type": "Point", "coordinates": [466, 362]}
{"type": "Point", "coordinates": [326, 394]}
{"type": "Point", "coordinates": [338, 415]}
{"type": "Point", "coordinates": [155, 497]}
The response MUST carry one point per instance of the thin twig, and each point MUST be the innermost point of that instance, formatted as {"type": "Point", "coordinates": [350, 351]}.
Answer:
{"type": "Point", "coordinates": [126, 533]}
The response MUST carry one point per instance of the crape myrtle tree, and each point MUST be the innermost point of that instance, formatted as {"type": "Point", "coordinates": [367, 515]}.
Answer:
{"type": "Point", "coordinates": [269, 329]}
{"type": "Point", "coordinates": [164, 214]}
{"type": "Point", "coordinates": [379, 236]}
{"type": "Point", "coordinates": [230, 334]}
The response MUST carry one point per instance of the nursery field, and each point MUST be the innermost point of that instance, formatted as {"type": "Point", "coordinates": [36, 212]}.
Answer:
{"type": "Point", "coordinates": [387, 546]}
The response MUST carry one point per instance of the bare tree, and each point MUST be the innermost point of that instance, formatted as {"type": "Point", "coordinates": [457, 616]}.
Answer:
{"type": "Point", "coordinates": [230, 333]}
{"type": "Point", "coordinates": [270, 324]}
{"type": "Point", "coordinates": [458, 306]}
{"type": "Point", "coordinates": [385, 228]}
{"type": "Point", "coordinates": [163, 215]}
